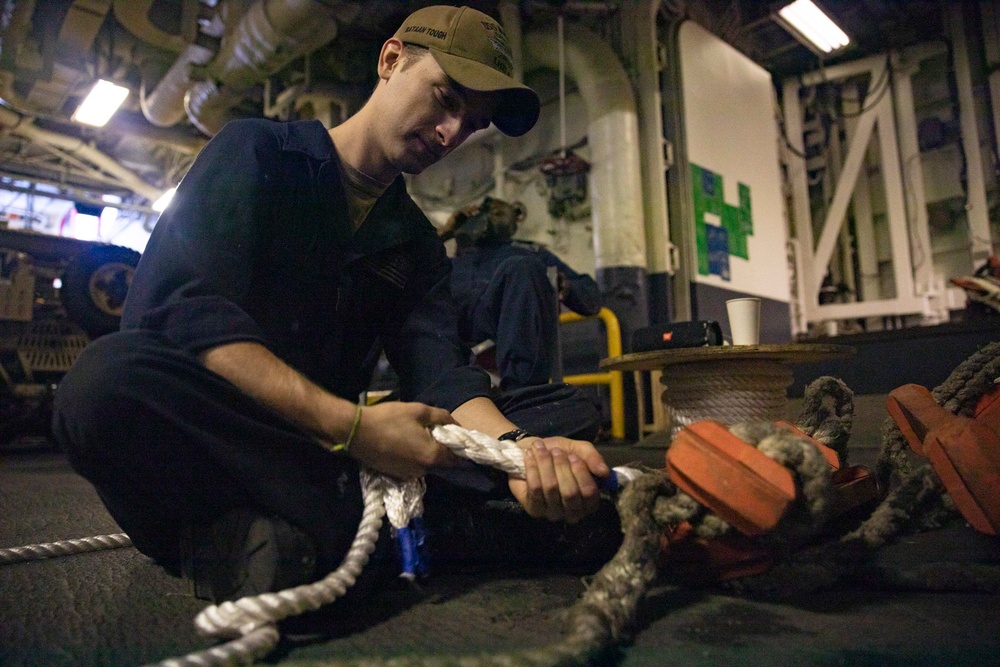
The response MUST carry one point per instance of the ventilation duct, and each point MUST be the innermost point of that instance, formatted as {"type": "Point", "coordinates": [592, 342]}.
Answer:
{"type": "Point", "coordinates": [164, 106]}
{"type": "Point", "coordinates": [615, 179]}
{"type": "Point", "coordinates": [270, 34]}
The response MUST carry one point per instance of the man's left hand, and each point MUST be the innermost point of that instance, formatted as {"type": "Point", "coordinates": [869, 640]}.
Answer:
{"type": "Point", "coordinates": [559, 480]}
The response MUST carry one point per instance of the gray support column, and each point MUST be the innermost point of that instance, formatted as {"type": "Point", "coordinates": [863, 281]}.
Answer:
{"type": "Point", "coordinates": [981, 245]}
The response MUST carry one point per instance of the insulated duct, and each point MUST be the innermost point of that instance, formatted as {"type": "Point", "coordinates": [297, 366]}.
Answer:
{"type": "Point", "coordinates": [13, 29]}
{"type": "Point", "coordinates": [267, 37]}
{"type": "Point", "coordinates": [164, 106]}
{"type": "Point", "coordinates": [615, 178]}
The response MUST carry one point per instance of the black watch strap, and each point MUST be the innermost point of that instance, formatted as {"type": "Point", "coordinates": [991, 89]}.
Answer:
{"type": "Point", "coordinates": [515, 435]}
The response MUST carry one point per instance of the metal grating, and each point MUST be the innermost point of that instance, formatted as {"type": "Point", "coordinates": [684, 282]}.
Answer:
{"type": "Point", "coordinates": [51, 346]}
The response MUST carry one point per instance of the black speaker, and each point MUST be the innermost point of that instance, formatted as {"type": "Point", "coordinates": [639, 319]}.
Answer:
{"type": "Point", "coordinates": [700, 333]}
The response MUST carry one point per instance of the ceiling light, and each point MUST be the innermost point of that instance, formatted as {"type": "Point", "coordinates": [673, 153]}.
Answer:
{"type": "Point", "coordinates": [811, 26]}
{"type": "Point", "coordinates": [164, 200]}
{"type": "Point", "coordinates": [102, 102]}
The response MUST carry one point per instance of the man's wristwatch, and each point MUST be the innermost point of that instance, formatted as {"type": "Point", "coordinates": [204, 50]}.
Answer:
{"type": "Point", "coordinates": [515, 435]}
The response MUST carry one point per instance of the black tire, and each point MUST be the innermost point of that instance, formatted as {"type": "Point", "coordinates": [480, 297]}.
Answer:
{"type": "Point", "coordinates": [94, 286]}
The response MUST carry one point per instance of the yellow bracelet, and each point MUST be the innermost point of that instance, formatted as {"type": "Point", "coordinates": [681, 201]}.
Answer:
{"type": "Point", "coordinates": [344, 446]}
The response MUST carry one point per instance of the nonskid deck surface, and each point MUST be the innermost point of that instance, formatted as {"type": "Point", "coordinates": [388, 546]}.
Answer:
{"type": "Point", "coordinates": [117, 608]}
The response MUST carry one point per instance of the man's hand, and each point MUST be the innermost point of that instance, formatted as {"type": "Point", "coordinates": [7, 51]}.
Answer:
{"type": "Point", "coordinates": [559, 478]}
{"type": "Point", "coordinates": [395, 439]}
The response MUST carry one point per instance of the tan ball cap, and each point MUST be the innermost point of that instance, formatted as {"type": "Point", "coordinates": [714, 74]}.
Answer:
{"type": "Point", "coordinates": [472, 49]}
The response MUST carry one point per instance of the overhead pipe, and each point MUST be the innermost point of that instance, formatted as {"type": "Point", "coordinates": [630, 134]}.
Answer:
{"type": "Point", "coordinates": [267, 37]}
{"type": "Point", "coordinates": [615, 177]}
{"type": "Point", "coordinates": [651, 130]}
{"type": "Point", "coordinates": [164, 105]}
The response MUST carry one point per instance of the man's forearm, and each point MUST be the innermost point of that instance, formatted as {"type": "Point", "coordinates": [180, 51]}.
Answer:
{"type": "Point", "coordinates": [482, 415]}
{"type": "Point", "coordinates": [257, 372]}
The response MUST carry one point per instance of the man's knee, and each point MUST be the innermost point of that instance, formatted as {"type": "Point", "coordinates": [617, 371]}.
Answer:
{"type": "Point", "coordinates": [93, 379]}
{"type": "Point", "coordinates": [522, 283]}
{"type": "Point", "coordinates": [95, 397]}
{"type": "Point", "coordinates": [523, 270]}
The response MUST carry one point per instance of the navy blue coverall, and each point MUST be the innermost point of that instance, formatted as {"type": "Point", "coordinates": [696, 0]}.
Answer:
{"type": "Point", "coordinates": [257, 245]}
{"type": "Point", "coordinates": [503, 293]}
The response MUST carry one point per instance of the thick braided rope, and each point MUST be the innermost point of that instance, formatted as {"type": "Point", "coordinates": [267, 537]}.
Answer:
{"type": "Point", "coordinates": [403, 499]}
{"type": "Point", "coordinates": [481, 448]}
{"type": "Point", "coordinates": [602, 615]}
{"type": "Point", "coordinates": [250, 622]}
{"type": "Point", "coordinates": [504, 455]}
{"type": "Point", "coordinates": [728, 392]}
{"type": "Point", "coordinates": [827, 414]}
{"type": "Point", "coordinates": [958, 394]}
{"type": "Point", "coordinates": [64, 548]}
{"type": "Point", "coordinates": [916, 501]}
{"type": "Point", "coordinates": [812, 479]}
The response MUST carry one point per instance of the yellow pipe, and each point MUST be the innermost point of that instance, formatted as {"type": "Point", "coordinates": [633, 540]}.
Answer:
{"type": "Point", "coordinates": [612, 378]}
{"type": "Point", "coordinates": [588, 378]}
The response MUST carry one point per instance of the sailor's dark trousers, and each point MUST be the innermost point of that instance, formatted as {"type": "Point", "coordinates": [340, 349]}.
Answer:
{"type": "Point", "coordinates": [169, 445]}
{"type": "Point", "coordinates": [511, 302]}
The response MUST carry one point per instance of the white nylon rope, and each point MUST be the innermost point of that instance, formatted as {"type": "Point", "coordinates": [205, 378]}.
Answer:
{"type": "Point", "coordinates": [252, 619]}
{"type": "Point", "coordinates": [250, 623]}
{"type": "Point", "coordinates": [726, 391]}
{"type": "Point", "coordinates": [64, 548]}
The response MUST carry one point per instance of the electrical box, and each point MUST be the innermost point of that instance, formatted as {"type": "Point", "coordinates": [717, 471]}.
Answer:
{"type": "Point", "coordinates": [17, 286]}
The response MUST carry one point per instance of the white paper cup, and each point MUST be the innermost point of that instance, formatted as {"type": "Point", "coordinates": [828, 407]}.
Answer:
{"type": "Point", "coordinates": [744, 320]}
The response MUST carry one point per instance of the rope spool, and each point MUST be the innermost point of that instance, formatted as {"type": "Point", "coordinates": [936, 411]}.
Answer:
{"type": "Point", "coordinates": [726, 391]}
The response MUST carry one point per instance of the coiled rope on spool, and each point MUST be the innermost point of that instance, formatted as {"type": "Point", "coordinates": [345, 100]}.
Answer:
{"type": "Point", "coordinates": [728, 391]}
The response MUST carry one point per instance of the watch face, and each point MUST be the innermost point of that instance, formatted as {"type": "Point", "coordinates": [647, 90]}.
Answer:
{"type": "Point", "coordinates": [515, 435]}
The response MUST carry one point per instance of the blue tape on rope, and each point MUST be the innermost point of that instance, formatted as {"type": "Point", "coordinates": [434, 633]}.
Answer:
{"type": "Point", "coordinates": [411, 546]}
{"type": "Point", "coordinates": [609, 483]}
{"type": "Point", "coordinates": [407, 551]}
{"type": "Point", "coordinates": [420, 533]}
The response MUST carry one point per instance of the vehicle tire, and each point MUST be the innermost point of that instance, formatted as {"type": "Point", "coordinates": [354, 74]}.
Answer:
{"type": "Point", "coordinates": [94, 286]}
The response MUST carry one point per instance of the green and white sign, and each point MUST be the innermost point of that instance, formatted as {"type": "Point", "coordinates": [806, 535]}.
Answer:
{"type": "Point", "coordinates": [740, 239]}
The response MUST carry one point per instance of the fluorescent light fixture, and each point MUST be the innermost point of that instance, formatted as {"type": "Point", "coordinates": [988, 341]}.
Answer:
{"type": "Point", "coordinates": [102, 102]}
{"type": "Point", "coordinates": [164, 200]}
{"type": "Point", "coordinates": [811, 26]}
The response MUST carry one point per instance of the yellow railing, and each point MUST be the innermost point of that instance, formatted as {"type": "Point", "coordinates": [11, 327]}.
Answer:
{"type": "Point", "coordinates": [612, 378]}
